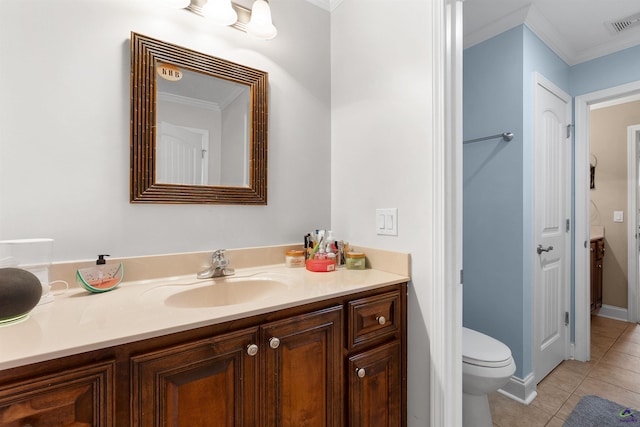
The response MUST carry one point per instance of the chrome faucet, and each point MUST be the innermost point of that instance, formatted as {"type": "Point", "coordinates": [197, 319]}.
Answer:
{"type": "Point", "coordinates": [219, 267]}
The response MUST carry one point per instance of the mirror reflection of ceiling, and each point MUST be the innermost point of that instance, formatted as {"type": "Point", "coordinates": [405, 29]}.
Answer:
{"type": "Point", "coordinates": [200, 86]}
{"type": "Point", "coordinates": [576, 30]}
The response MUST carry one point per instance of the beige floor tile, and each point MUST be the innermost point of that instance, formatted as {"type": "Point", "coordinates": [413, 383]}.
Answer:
{"type": "Point", "coordinates": [628, 347]}
{"type": "Point", "coordinates": [613, 373]}
{"type": "Point", "coordinates": [509, 413]}
{"type": "Point", "coordinates": [568, 406]}
{"type": "Point", "coordinates": [617, 376]}
{"type": "Point", "coordinates": [564, 378]}
{"type": "Point", "coordinates": [550, 398]}
{"type": "Point", "coordinates": [622, 360]}
{"type": "Point", "coordinates": [632, 328]}
{"type": "Point", "coordinates": [632, 335]}
{"type": "Point", "coordinates": [582, 368]}
{"type": "Point", "coordinates": [608, 391]}
{"type": "Point", "coordinates": [555, 422]}
{"type": "Point", "coordinates": [612, 331]}
{"type": "Point", "coordinates": [598, 351]}
{"type": "Point", "coordinates": [613, 324]}
{"type": "Point", "coordinates": [602, 340]}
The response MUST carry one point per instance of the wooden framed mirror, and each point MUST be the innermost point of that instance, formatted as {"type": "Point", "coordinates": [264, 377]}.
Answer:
{"type": "Point", "coordinates": [198, 127]}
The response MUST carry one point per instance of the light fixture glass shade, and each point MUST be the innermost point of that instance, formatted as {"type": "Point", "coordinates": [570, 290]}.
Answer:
{"type": "Point", "coordinates": [177, 4]}
{"type": "Point", "coordinates": [220, 12]}
{"type": "Point", "coordinates": [260, 25]}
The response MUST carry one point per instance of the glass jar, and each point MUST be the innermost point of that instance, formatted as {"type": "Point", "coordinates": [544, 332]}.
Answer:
{"type": "Point", "coordinates": [355, 260]}
{"type": "Point", "coordinates": [294, 258]}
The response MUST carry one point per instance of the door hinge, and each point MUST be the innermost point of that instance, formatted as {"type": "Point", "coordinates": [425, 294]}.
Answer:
{"type": "Point", "coordinates": [567, 225]}
{"type": "Point", "coordinates": [461, 276]}
{"type": "Point", "coordinates": [569, 127]}
{"type": "Point", "coordinates": [566, 318]}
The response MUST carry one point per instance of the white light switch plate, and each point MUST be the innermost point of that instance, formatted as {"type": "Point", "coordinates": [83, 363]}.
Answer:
{"type": "Point", "coordinates": [387, 221]}
{"type": "Point", "coordinates": [618, 216]}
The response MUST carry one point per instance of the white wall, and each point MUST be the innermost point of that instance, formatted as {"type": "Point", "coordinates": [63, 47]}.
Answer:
{"type": "Point", "coordinates": [64, 135]}
{"type": "Point", "coordinates": [381, 97]}
{"type": "Point", "coordinates": [64, 128]}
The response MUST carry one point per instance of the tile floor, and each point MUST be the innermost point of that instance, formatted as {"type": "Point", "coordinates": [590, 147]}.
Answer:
{"type": "Point", "coordinates": [612, 373]}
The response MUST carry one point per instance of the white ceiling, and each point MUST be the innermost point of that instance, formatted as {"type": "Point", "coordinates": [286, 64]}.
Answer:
{"type": "Point", "coordinates": [576, 30]}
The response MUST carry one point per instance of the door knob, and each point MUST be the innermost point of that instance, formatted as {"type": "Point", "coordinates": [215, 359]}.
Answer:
{"type": "Point", "coordinates": [361, 373]}
{"type": "Point", "coordinates": [540, 249]}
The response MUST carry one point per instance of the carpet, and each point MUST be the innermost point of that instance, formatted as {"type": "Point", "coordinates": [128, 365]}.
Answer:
{"type": "Point", "coordinates": [594, 411]}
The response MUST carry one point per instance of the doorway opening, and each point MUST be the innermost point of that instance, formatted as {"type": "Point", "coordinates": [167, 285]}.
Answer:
{"type": "Point", "coordinates": [582, 181]}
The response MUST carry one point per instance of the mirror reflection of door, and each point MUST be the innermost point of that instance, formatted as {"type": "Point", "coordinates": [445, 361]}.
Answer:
{"type": "Point", "coordinates": [190, 107]}
{"type": "Point", "coordinates": [182, 155]}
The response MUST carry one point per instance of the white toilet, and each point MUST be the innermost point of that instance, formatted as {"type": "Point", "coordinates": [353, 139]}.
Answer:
{"type": "Point", "coordinates": [487, 365]}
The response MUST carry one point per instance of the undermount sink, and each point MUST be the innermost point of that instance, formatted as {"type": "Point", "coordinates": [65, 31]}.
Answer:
{"type": "Point", "coordinates": [227, 291]}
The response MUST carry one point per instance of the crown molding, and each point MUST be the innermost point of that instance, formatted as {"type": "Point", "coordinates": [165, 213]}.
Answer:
{"type": "Point", "coordinates": [498, 26]}
{"type": "Point", "coordinates": [191, 102]}
{"type": "Point", "coordinates": [541, 27]}
{"type": "Point", "coordinates": [534, 20]}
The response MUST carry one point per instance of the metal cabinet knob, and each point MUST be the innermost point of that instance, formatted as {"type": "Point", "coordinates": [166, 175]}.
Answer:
{"type": "Point", "coordinates": [252, 350]}
{"type": "Point", "coordinates": [274, 342]}
{"type": "Point", "coordinates": [381, 320]}
{"type": "Point", "coordinates": [360, 372]}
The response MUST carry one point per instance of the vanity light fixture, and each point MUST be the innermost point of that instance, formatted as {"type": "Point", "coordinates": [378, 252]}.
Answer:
{"type": "Point", "coordinates": [220, 12]}
{"type": "Point", "coordinates": [255, 21]}
{"type": "Point", "coordinates": [260, 25]}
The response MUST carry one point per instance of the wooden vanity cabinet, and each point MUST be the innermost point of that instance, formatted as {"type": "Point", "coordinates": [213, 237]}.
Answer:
{"type": "Point", "coordinates": [288, 368]}
{"type": "Point", "coordinates": [210, 382]}
{"type": "Point", "coordinates": [302, 367]}
{"type": "Point", "coordinates": [597, 259]}
{"type": "Point", "coordinates": [337, 362]}
{"type": "Point", "coordinates": [376, 371]}
{"type": "Point", "coordinates": [78, 397]}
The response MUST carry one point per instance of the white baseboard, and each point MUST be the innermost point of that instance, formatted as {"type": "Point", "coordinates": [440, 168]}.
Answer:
{"type": "Point", "coordinates": [523, 391]}
{"type": "Point", "coordinates": [613, 312]}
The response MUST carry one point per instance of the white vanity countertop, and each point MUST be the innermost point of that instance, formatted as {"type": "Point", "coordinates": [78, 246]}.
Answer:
{"type": "Point", "coordinates": [78, 321]}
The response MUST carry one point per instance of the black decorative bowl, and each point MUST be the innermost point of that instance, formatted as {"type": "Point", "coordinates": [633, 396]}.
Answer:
{"type": "Point", "coordinates": [20, 291]}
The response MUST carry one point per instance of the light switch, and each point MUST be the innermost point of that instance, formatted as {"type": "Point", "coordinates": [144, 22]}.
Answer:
{"type": "Point", "coordinates": [387, 221]}
{"type": "Point", "coordinates": [618, 216]}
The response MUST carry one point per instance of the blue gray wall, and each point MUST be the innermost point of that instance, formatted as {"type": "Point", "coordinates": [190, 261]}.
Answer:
{"type": "Point", "coordinates": [498, 189]}
{"type": "Point", "coordinates": [493, 191]}
{"type": "Point", "coordinates": [498, 93]}
{"type": "Point", "coordinates": [608, 71]}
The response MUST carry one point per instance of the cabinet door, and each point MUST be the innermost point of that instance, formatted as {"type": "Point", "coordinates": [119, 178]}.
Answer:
{"type": "Point", "coordinates": [207, 383]}
{"type": "Point", "coordinates": [375, 387]}
{"type": "Point", "coordinates": [302, 377]}
{"type": "Point", "coordinates": [81, 397]}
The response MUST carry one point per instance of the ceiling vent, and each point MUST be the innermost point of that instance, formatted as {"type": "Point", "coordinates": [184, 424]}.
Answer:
{"type": "Point", "coordinates": [624, 24]}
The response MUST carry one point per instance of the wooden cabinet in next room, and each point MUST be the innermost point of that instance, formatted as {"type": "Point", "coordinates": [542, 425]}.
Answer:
{"type": "Point", "coordinates": [597, 259]}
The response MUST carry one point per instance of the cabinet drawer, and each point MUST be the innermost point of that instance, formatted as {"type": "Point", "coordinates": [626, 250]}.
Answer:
{"type": "Point", "coordinates": [373, 319]}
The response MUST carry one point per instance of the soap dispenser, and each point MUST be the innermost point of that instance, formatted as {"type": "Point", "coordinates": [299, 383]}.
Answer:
{"type": "Point", "coordinates": [100, 263]}
{"type": "Point", "coordinates": [102, 277]}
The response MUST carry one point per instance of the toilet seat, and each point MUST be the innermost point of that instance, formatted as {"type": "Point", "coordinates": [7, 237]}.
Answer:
{"type": "Point", "coordinates": [482, 350]}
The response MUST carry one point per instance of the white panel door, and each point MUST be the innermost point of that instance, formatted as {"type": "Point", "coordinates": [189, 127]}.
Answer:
{"type": "Point", "coordinates": [552, 198]}
{"type": "Point", "coordinates": [181, 155]}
